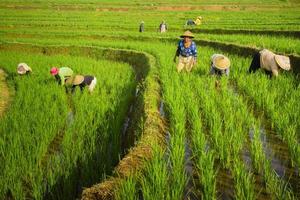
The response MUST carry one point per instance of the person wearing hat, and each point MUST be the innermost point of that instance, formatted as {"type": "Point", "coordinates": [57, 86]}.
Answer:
{"type": "Point", "coordinates": [61, 74]}
{"type": "Point", "coordinates": [198, 20]}
{"type": "Point", "coordinates": [187, 52]}
{"type": "Point", "coordinates": [23, 68]}
{"type": "Point", "coordinates": [270, 62]}
{"type": "Point", "coordinates": [142, 26]}
{"type": "Point", "coordinates": [163, 27]}
{"type": "Point", "coordinates": [82, 81]}
{"type": "Point", "coordinates": [219, 65]}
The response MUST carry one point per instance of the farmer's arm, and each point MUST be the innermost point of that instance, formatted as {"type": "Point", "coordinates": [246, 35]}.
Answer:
{"type": "Point", "coordinates": [62, 79]}
{"type": "Point", "coordinates": [194, 52]}
{"type": "Point", "coordinates": [177, 52]}
{"type": "Point", "coordinates": [212, 70]}
{"type": "Point", "coordinates": [275, 72]}
{"type": "Point", "coordinates": [227, 71]}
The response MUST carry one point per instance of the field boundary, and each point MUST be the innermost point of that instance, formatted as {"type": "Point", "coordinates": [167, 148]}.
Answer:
{"type": "Point", "coordinates": [295, 34]}
{"type": "Point", "coordinates": [4, 93]}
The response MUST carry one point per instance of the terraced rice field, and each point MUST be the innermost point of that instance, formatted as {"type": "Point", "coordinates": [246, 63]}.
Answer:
{"type": "Point", "coordinates": [148, 132]}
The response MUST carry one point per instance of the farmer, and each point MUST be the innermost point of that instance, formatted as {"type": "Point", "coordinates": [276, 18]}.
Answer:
{"type": "Point", "coordinates": [163, 27]}
{"type": "Point", "coordinates": [142, 26]}
{"type": "Point", "coordinates": [191, 22]}
{"type": "Point", "coordinates": [198, 20]}
{"type": "Point", "coordinates": [23, 68]}
{"type": "Point", "coordinates": [61, 74]}
{"type": "Point", "coordinates": [187, 52]}
{"type": "Point", "coordinates": [82, 81]}
{"type": "Point", "coordinates": [219, 65]}
{"type": "Point", "coordinates": [270, 62]}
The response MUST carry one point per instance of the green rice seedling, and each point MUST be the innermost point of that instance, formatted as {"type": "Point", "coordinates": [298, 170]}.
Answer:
{"type": "Point", "coordinates": [127, 190]}
{"type": "Point", "coordinates": [155, 177]}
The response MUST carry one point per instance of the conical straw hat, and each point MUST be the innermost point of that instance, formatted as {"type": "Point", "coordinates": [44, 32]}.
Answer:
{"type": "Point", "coordinates": [74, 80]}
{"type": "Point", "coordinates": [283, 62]}
{"type": "Point", "coordinates": [187, 34]}
{"type": "Point", "coordinates": [221, 62]}
{"type": "Point", "coordinates": [78, 79]}
{"type": "Point", "coordinates": [23, 68]}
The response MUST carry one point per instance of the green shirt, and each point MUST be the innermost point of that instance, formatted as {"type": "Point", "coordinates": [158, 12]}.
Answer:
{"type": "Point", "coordinates": [64, 73]}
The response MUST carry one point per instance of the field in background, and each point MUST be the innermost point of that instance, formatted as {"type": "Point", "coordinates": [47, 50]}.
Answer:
{"type": "Point", "coordinates": [237, 140]}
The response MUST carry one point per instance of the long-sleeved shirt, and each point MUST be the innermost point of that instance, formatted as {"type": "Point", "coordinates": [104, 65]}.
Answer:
{"type": "Point", "coordinates": [268, 63]}
{"type": "Point", "coordinates": [186, 52]}
{"type": "Point", "coordinates": [63, 74]}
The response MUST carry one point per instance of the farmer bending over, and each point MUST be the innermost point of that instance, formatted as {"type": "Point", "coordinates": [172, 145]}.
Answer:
{"type": "Point", "coordinates": [269, 62]}
{"type": "Point", "coordinates": [61, 74]}
{"type": "Point", "coordinates": [82, 81]}
{"type": "Point", "coordinates": [23, 68]}
{"type": "Point", "coordinates": [187, 52]}
{"type": "Point", "coordinates": [219, 65]}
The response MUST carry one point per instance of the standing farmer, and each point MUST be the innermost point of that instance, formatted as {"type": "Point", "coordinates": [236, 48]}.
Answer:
{"type": "Point", "coordinates": [82, 81]}
{"type": "Point", "coordinates": [163, 27]}
{"type": "Point", "coordinates": [142, 28]}
{"type": "Point", "coordinates": [219, 65]}
{"type": "Point", "coordinates": [270, 62]}
{"type": "Point", "coordinates": [61, 74]}
{"type": "Point", "coordinates": [23, 68]}
{"type": "Point", "coordinates": [187, 52]}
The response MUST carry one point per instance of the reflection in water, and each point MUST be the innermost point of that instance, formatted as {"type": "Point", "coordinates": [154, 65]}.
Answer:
{"type": "Point", "coordinates": [161, 110]}
{"type": "Point", "coordinates": [225, 184]}
{"type": "Point", "coordinates": [279, 157]}
{"type": "Point", "coordinates": [189, 193]}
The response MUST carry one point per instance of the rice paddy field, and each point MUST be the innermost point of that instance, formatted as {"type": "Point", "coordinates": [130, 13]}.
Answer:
{"type": "Point", "coordinates": [148, 132]}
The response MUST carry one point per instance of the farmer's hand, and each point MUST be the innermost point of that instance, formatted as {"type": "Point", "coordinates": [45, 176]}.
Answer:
{"type": "Point", "coordinates": [194, 62]}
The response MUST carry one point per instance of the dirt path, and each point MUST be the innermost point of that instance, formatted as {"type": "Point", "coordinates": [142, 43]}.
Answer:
{"type": "Point", "coordinates": [4, 93]}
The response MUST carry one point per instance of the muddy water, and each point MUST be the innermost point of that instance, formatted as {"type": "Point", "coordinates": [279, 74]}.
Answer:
{"type": "Point", "coordinates": [190, 189]}
{"type": "Point", "coordinates": [162, 110]}
{"type": "Point", "coordinates": [260, 185]}
{"type": "Point", "coordinates": [225, 184]}
{"type": "Point", "coordinates": [127, 135]}
{"type": "Point", "coordinates": [275, 150]}
{"type": "Point", "coordinates": [278, 154]}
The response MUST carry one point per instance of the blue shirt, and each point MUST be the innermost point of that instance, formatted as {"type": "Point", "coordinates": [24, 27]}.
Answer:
{"type": "Point", "coordinates": [186, 52]}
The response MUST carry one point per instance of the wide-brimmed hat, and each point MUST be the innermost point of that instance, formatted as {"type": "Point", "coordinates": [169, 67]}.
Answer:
{"type": "Point", "coordinates": [283, 62]}
{"type": "Point", "coordinates": [23, 68]}
{"type": "Point", "coordinates": [220, 61]}
{"type": "Point", "coordinates": [54, 71]}
{"type": "Point", "coordinates": [75, 80]}
{"type": "Point", "coordinates": [187, 34]}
